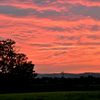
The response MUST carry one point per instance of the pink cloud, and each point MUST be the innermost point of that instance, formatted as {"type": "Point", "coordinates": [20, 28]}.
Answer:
{"type": "Point", "coordinates": [54, 36]}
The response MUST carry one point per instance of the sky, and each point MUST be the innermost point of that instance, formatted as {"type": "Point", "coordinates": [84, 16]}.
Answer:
{"type": "Point", "coordinates": [56, 35]}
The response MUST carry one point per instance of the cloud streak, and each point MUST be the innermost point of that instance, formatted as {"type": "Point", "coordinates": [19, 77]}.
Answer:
{"type": "Point", "coordinates": [55, 34]}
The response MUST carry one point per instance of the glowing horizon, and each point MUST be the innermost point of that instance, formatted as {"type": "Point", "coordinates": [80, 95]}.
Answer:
{"type": "Point", "coordinates": [57, 35]}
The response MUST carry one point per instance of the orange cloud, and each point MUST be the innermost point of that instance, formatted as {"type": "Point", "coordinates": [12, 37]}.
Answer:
{"type": "Point", "coordinates": [54, 36]}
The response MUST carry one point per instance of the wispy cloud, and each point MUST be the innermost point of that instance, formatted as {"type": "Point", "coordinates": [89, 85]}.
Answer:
{"type": "Point", "coordinates": [56, 33]}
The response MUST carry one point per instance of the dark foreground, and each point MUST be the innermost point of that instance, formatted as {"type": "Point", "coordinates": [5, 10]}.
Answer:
{"type": "Point", "coordinates": [50, 85]}
{"type": "Point", "coordinates": [70, 95]}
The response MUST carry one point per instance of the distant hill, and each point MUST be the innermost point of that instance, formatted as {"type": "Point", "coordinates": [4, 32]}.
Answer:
{"type": "Point", "coordinates": [68, 75]}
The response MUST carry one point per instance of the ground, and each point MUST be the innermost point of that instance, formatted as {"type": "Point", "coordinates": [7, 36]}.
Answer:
{"type": "Point", "coordinates": [64, 95]}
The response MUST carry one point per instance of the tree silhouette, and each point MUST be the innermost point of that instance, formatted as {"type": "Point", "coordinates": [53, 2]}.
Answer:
{"type": "Point", "coordinates": [14, 63]}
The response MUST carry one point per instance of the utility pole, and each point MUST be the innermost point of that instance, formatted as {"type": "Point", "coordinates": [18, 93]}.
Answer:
{"type": "Point", "coordinates": [62, 73]}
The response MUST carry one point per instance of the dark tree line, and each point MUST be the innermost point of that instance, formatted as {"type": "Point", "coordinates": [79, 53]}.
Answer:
{"type": "Point", "coordinates": [67, 84]}
{"type": "Point", "coordinates": [14, 67]}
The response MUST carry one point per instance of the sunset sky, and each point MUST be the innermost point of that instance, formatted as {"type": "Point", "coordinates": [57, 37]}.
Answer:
{"type": "Point", "coordinates": [57, 35]}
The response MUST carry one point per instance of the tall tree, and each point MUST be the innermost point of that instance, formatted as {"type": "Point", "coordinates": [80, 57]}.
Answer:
{"type": "Point", "coordinates": [13, 62]}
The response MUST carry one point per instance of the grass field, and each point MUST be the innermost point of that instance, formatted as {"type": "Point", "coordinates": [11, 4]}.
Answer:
{"type": "Point", "coordinates": [70, 95]}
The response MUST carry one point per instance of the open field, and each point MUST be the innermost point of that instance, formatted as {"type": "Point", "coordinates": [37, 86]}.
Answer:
{"type": "Point", "coordinates": [69, 95]}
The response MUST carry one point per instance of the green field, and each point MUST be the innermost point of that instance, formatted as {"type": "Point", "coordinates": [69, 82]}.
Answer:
{"type": "Point", "coordinates": [70, 95]}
